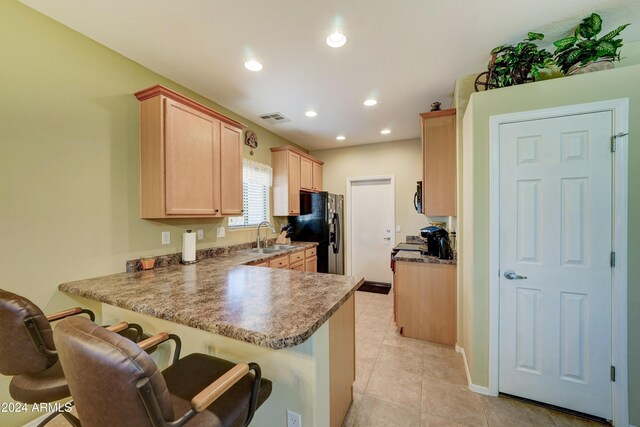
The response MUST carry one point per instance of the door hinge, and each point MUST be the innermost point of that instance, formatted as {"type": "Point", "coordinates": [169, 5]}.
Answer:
{"type": "Point", "coordinates": [613, 374]}
{"type": "Point", "coordinates": [614, 138]}
{"type": "Point", "coordinates": [613, 259]}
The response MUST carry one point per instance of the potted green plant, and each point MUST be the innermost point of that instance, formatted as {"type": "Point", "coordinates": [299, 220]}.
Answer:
{"type": "Point", "coordinates": [513, 65]}
{"type": "Point", "coordinates": [583, 52]}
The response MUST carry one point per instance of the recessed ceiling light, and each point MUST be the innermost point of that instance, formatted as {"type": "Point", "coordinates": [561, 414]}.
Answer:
{"type": "Point", "coordinates": [253, 65]}
{"type": "Point", "coordinates": [336, 39]}
{"type": "Point", "coordinates": [385, 131]}
{"type": "Point", "coordinates": [341, 137]}
{"type": "Point", "coordinates": [370, 102]}
{"type": "Point", "coordinates": [310, 113]}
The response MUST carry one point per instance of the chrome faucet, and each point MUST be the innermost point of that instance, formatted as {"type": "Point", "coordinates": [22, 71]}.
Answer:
{"type": "Point", "coordinates": [258, 232]}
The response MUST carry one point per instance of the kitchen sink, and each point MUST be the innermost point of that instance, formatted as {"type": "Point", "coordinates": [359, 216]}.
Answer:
{"type": "Point", "coordinates": [283, 247]}
{"type": "Point", "coordinates": [265, 250]}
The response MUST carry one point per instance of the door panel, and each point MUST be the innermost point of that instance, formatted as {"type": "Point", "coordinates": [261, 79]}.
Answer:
{"type": "Point", "coordinates": [294, 183]}
{"type": "Point", "coordinates": [372, 236]}
{"type": "Point", "coordinates": [306, 174]}
{"type": "Point", "coordinates": [555, 229]}
{"type": "Point", "coordinates": [231, 170]}
{"type": "Point", "coordinates": [189, 159]}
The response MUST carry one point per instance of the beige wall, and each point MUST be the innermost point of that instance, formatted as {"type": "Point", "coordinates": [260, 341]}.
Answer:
{"type": "Point", "coordinates": [69, 162]}
{"type": "Point", "coordinates": [403, 159]}
{"type": "Point", "coordinates": [621, 82]}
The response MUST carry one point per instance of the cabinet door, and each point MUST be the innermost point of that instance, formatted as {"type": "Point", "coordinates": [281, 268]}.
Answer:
{"type": "Point", "coordinates": [317, 177]}
{"type": "Point", "coordinates": [231, 170]}
{"type": "Point", "coordinates": [426, 301]}
{"type": "Point", "coordinates": [294, 184]}
{"type": "Point", "coordinates": [297, 267]}
{"type": "Point", "coordinates": [311, 264]}
{"type": "Point", "coordinates": [439, 159]}
{"type": "Point", "coordinates": [306, 174]}
{"type": "Point", "coordinates": [190, 156]}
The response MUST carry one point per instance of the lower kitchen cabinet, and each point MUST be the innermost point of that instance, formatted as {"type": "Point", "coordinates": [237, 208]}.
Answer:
{"type": "Point", "coordinates": [311, 264]}
{"type": "Point", "coordinates": [303, 260]}
{"type": "Point", "coordinates": [425, 301]}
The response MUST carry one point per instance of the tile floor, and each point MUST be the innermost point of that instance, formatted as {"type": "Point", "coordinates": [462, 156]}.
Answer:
{"type": "Point", "coordinates": [402, 382]}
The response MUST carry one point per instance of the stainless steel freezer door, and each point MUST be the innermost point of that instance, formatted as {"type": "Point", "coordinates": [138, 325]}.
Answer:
{"type": "Point", "coordinates": [336, 252]}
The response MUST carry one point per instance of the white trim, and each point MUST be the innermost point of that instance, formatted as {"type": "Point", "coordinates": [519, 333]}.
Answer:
{"type": "Point", "coordinates": [620, 110]}
{"type": "Point", "coordinates": [475, 388]}
{"type": "Point", "coordinates": [347, 214]}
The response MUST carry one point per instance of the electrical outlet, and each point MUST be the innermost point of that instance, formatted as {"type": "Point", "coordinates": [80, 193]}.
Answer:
{"type": "Point", "coordinates": [221, 231]}
{"type": "Point", "coordinates": [293, 419]}
{"type": "Point", "coordinates": [166, 237]}
{"type": "Point", "coordinates": [200, 233]}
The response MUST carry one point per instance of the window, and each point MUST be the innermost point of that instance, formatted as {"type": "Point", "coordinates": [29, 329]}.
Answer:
{"type": "Point", "coordinates": [256, 181]}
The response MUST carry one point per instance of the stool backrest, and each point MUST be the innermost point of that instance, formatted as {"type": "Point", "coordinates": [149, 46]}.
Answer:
{"type": "Point", "coordinates": [19, 354]}
{"type": "Point", "coordinates": [105, 372]}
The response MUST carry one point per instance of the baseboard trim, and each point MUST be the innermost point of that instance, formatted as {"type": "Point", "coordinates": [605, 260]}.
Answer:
{"type": "Point", "coordinates": [473, 387]}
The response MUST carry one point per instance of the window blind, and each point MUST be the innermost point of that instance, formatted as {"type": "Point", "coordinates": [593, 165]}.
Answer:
{"type": "Point", "coordinates": [256, 181]}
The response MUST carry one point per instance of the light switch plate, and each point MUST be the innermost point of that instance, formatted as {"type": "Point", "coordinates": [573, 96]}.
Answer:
{"type": "Point", "coordinates": [397, 228]}
{"type": "Point", "coordinates": [166, 237]}
{"type": "Point", "coordinates": [200, 233]}
{"type": "Point", "coordinates": [221, 231]}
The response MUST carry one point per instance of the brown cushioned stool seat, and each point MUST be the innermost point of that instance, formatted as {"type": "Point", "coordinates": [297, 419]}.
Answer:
{"type": "Point", "coordinates": [43, 386]}
{"type": "Point", "coordinates": [194, 372]}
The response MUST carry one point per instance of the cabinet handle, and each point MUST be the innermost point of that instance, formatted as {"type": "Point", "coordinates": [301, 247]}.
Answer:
{"type": "Point", "coordinates": [216, 210]}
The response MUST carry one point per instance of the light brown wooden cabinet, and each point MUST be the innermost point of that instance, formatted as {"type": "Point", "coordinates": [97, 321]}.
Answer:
{"type": "Point", "coordinates": [439, 162]}
{"type": "Point", "coordinates": [317, 177]}
{"type": "Point", "coordinates": [425, 301]}
{"type": "Point", "coordinates": [190, 158]}
{"type": "Point", "coordinates": [293, 171]}
{"type": "Point", "coordinates": [306, 174]}
{"type": "Point", "coordinates": [311, 264]}
{"type": "Point", "coordinates": [303, 260]}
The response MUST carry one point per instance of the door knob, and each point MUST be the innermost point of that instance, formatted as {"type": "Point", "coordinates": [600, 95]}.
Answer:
{"type": "Point", "coordinates": [511, 275]}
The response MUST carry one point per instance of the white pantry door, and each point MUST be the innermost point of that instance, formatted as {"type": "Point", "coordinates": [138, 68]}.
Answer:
{"type": "Point", "coordinates": [372, 235]}
{"type": "Point", "coordinates": [556, 230]}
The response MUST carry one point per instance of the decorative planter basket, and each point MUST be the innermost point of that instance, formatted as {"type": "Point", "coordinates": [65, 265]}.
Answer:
{"type": "Point", "coordinates": [599, 65]}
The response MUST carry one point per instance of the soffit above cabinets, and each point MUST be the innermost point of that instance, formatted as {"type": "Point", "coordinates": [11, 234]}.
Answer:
{"type": "Point", "coordinates": [405, 54]}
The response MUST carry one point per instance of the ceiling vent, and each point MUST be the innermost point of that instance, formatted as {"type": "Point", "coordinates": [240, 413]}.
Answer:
{"type": "Point", "coordinates": [274, 118]}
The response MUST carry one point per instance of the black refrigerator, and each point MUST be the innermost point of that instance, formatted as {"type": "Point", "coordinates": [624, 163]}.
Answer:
{"type": "Point", "coordinates": [320, 220]}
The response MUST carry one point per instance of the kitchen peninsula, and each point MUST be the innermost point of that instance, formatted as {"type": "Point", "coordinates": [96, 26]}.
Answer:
{"type": "Point", "coordinates": [299, 326]}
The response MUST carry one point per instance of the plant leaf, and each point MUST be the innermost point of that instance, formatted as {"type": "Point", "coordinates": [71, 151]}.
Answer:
{"type": "Point", "coordinates": [535, 36]}
{"type": "Point", "coordinates": [596, 23]}
{"type": "Point", "coordinates": [612, 34]}
{"type": "Point", "coordinates": [565, 42]}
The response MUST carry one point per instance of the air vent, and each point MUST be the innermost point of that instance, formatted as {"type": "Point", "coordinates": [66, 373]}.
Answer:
{"type": "Point", "coordinates": [274, 118]}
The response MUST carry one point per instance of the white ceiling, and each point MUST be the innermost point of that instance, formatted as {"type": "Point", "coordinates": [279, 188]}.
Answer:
{"type": "Point", "coordinates": [405, 53]}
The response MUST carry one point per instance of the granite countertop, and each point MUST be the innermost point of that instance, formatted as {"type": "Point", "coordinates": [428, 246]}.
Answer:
{"type": "Point", "coordinates": [269, 307]}
{"type": "Point", "coordinates": [414, 256]}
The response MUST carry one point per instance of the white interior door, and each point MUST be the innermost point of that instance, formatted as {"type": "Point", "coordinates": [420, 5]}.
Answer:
{"type": "Point", "coordinates": [556, 230]}
{"type": "Point", "coordinates": [371, 234]}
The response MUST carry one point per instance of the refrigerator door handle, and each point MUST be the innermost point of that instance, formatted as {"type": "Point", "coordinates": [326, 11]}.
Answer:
{"type": "Point", "coordinates": [337, 233]}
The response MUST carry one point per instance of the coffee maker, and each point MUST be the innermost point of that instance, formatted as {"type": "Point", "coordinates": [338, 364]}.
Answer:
{"type": "Point", "coordinates": [437, 242]}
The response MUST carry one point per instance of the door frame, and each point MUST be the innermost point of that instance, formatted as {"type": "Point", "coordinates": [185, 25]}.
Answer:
{"type": "Point", "coordinates": [347, 220]}
{"type": "Point", "coordinates": [619, 325]}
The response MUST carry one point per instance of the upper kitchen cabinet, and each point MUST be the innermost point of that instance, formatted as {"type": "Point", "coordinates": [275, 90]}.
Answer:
{"type": "Point", "coordinates": [293, 171]}
{"type": "Point", "coordinates": [190, 158]}
{"type": "Point", "coordinates": [439, 162]}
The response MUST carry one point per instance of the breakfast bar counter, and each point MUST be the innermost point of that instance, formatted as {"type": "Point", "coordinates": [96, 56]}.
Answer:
{"type": "Point", "coordinates": [298, 326]}
{"type": "Point", "coordinates": [269, 307]}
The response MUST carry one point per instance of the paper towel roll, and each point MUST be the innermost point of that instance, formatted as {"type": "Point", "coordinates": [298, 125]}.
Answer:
{"type": "Point", "coordinates": [188, 247]}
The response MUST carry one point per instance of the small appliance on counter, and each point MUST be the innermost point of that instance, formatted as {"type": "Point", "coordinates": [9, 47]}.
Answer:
{"type": "Point", "coordinates": [438, 243]}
